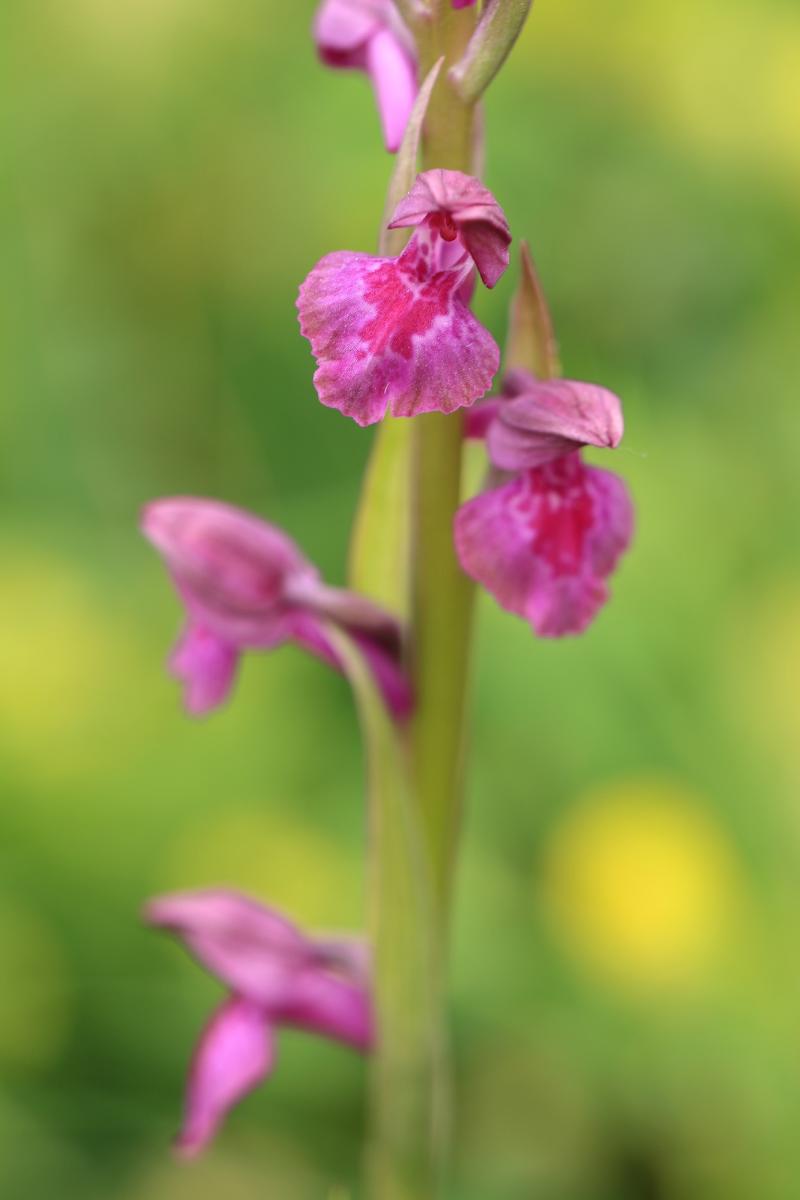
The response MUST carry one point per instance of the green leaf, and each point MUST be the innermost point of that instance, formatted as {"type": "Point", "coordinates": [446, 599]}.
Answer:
{"type": "Point", "coordinates": [531, 342]}
{"type": "Point", "coordinates": [380, 543]}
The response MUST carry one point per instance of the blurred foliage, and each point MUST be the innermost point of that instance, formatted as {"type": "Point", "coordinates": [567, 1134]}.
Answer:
{"type": "Point", "coordinates": [627, 970]}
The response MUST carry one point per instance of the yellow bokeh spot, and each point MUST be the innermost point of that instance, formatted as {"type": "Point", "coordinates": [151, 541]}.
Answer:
{"type": "Point", "coordinates": [760, 668]}
{"type": "Point", "coordinates": [641, 884]}
{"type": "Point", "coordinates": [721, 79]}
{"type": "Point", "coordinates": [34, 999]}
{"type": "Point", "coordinates": [276, 859]}
{"type": "Point", "coordinates": [65, 671]}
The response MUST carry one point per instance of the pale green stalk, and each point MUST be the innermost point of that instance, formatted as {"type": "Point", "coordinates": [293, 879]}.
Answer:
{"type": "Point", "coordinates": [416, 775]}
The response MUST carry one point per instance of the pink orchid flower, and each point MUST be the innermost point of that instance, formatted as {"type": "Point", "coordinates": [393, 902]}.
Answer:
{"type": "Point", "coordinates": [276, 976]}
{"type": "Point", "coordinates": [396, 333]}
{"type": "Point", "coordinates": [246, 586]}
{"type": "Point", "coordinates": [545, 542]}
{"type": "Point", "coordinates": [370, 36]}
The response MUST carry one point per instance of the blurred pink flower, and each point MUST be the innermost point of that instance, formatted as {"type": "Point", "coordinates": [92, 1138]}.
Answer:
{"type": "Point", "coordinates": [396, 333]}
{"type": "Point", "coordinates": [545, 542]}
{"type": "Point", "coordinates": [276, 976]}
{"type": "Point", "coordinates": [245, 586]}
{"type": "Point", "coordinates": [370, 36]}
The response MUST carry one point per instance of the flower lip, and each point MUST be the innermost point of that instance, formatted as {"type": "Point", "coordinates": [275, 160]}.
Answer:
{"type": "Point", "coordinates": [550, 418]}
{"type": "Point", "coordinates": [461, 203]}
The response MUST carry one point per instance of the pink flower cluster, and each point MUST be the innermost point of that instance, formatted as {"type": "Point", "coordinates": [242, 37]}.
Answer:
{"type": "Point", "coordinates": [390, 335]}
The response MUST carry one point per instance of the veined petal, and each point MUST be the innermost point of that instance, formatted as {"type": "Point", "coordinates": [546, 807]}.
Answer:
{"type": "Point", "coordinates": [206, 665]}
{"type": "Point", "coordinates": [553, 417]}
{"type": "Point", "coordinates": [387, 334]}
{"type": "Point", "coordinates": [334, 1007]}
{"type": "Point", "coordinates": [463, 207]}
{"type": "Point", "coordinates": [544, 543]}
{"type": "Point", "coordinates": [236, 1052]}
{"type": "Point", "coordinates": [252, 949]}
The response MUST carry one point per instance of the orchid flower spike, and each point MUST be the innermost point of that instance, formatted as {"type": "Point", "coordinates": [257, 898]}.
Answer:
{"type": "Point", "coordinates": [276, 976]}
{"type": "Point", "coordinates": [246, 586]}
{"type": "Point", "coordinates": [396, 333]}
{"type": "Point", "coordinates": [545, 542]}
{"type": "Point", "coordinates": [370, 36]}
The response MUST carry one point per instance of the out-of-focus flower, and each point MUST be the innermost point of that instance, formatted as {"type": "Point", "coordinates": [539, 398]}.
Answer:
{"type": "Point", "coordinates": [370, 36]}
{"type": "Point", "coordinates": [545, 542]}
{"type": "Point", "coordinates": [245, 586]}
{"type": "Point", "coordinates": [276, 976]}
{"type": "Point", "coordinates": [643, 885]}
{"type": "Point", "coordinates": [396, 333]}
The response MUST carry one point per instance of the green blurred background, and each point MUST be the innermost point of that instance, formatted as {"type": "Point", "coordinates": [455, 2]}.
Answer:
{"type": "Point", "coordinates": [627, 964]}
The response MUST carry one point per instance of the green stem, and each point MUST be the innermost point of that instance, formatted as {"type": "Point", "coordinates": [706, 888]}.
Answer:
{"type": "Point", "coordinates": [441, 593]}
{"type": "Point", "coordinates": [416, 779]}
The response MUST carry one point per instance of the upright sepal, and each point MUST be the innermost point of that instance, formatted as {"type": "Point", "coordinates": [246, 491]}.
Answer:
{"type": "Point", "coordinates": [497, 30]}
{"type": "Point", "coordinates": [531, 344]}
{"type": "Point", "coordinates": [391, 241]}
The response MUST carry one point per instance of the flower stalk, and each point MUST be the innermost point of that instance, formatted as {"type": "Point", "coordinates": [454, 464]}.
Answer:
{"type": "Point", "coordinates": [418, 781]}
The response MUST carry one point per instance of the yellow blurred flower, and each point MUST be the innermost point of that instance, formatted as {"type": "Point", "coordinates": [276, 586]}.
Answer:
{"type": "Point", "coordinates": [641, 884]}
{"type": "Point", "coordinates": [274, 858]}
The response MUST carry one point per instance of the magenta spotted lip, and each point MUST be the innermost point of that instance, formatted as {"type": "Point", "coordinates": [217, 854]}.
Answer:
{"type": "Point", "coordinates": [395, 334]}
{"type": "Point", "coordinates": [544, 543]}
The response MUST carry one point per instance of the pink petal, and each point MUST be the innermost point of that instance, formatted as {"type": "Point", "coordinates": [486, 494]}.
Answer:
{"type": "Point", "coordinates": [346, 955]}
{"type": "Point", "coordinates": [236, 1052]}
{"type": "Point", "coordinates": [394, 81]}
{"type": "Point", "coordinates": [333, 1007]}
{"type": "Point", "coordinates": [342, 28]}
{"type": "Point", "coordinates": [369, 35]}
{"type": "Point", "coordinates": [463, 3]}
{"type": "Point", "coordinates": [389, 675]}
{"type": "Point", "coordinates": [480, 417]}
{"type": "Point", "coordinates": [544, 543]}
{"type": "Point", "coordinates": [475, 215]}
{"type": "Point", "coordinates": [383, 660]}
{"type": "Point", "coordinates": [206, 665]}
{"type": "Point", "coordinates": [554, 417]}
{"type": "Point", "coordinates": [252, 949]}
{"type": "Point", "coordinates": [231, 568]}
{"type": "Point", "coordinates": [386, 334]}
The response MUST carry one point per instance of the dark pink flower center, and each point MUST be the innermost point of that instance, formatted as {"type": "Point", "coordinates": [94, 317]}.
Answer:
{"type": "Point", "coordinates": [407, 299]}
{"type": "Point", "coordinates": [559, 511]}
